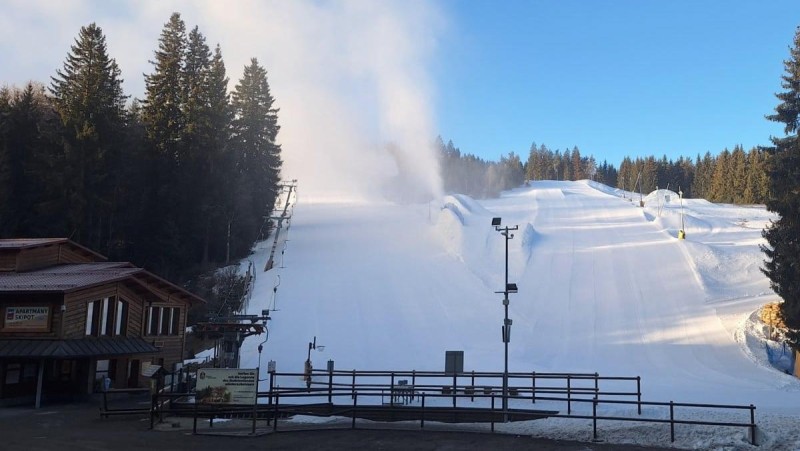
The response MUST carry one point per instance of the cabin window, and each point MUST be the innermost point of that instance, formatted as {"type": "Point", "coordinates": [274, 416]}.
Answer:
{"type": "Point", "coordinates": [163, 325]}
{"type": "Point", "coordinates": [106, 317]}
{"type": "Point", "coordinates": [176, 316]}
{"type": "Point", "coordinates": [163, 320]}
{"type": "Point", "coordinates": [121, 323]}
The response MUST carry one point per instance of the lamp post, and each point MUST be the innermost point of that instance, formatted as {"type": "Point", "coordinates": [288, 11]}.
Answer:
{"type": "Point", "coordinates": [508, 288]}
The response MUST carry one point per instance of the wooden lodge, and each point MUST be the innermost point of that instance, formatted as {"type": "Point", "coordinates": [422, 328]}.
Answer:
{"type": "Point", "coordinates": [73, 322]}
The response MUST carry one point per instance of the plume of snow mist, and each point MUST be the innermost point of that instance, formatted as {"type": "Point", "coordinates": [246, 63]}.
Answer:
{"type": "Point", "coordinates": [349, 77]}
{"type": "Point", "coordinates": [350, 80]}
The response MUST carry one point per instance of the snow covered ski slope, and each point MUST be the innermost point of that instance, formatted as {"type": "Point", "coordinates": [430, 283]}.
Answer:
{"type": "Point", "coordinates": [604, 285]}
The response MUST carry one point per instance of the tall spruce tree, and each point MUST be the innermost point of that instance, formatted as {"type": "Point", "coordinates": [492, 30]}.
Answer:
{"type": "Point", "coordinates": [193, 178]}
{"type": "Point", "coordinates": [89, 98]}
{"type": "Point", "coordinates": [220, 175]}
{"type": "Point", "coordinates": [164, 120]}
{"type": "Point", "coordinates": [782, 264]}
{"type": "Point", "coordinates": [255, 129]}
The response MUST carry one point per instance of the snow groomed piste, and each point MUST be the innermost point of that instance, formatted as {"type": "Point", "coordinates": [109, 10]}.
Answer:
{"type": "Point", "coordinates": [604, 285]}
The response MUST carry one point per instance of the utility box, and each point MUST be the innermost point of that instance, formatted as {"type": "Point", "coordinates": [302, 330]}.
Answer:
{"type": "Point", "coordinates": [453, 362]}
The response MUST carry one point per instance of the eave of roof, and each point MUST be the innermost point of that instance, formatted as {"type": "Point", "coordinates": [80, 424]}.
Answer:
{"type": "Point", "coordinates": [170, 287]}
{"type": "Point", "coordinates": [77, 276]}
{"type": "Point", "coordinates": [83, 347]}
{"type": "Point", "coordinates": [65, 278]}
{"type": "Point", "coordinates": [25, 243]}
{"type": "Point", "coordinates": [31, 243]}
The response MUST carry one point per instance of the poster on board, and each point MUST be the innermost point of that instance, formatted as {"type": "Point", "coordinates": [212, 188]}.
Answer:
{"type": "Point", "coordinates": [226, 386]}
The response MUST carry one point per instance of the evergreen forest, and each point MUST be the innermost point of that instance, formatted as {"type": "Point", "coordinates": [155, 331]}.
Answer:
{"type": "Point", "coordinates": [178, 182]}
{"type": "Point", "coordinates": [736, 176]}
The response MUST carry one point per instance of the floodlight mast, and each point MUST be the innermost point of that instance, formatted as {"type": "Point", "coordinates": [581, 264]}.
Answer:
{"type": "Point", "coordinates": [508, 288]}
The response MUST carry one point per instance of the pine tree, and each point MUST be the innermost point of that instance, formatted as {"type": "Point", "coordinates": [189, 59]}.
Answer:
{"type": "Point", "coordinates": [626, 175]}
{"type": "Point", "coordinates": [193, 178]}
{"type": "Point", "coordinates": [89, 98]}
{"type": "Point", "coordinates": [162, 110]}
{"type": "Point", "coordinates": [737, 179]}
{"type": "Point", "coordinates": [649, 176]}
{"type": "Point", "coordinates": [703, 174]}
{"type": "Point", "coordinates": [164, 120]}
{"type": "Point", "coordinates": [221, 165]}
{"type": "Point", "coordinates": [255, 129]}
{"type": "Point", "coordinates": [782, 265]}
{"type": "Point", "coordinates": [565, 165]}
{"type": "Point", "coordinates": [532, 170]}
{"type": "Point", "coordinates": [577, 163]}
{"type": "Point", "coordinates": [720, 189]}
{"type": "Point", "coordinates": [757, 189]}
{"type": "Point", "coordinates": [686, 179]}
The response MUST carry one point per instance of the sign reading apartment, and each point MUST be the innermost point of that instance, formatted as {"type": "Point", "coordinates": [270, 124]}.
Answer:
{"type": "Point", "coordinates": [27, 319]}
{"type": "Point", "coordinates": [226, 386]}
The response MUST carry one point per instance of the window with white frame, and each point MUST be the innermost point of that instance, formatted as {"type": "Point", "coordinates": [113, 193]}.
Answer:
{"type": "Point", "coordinates": [163, 320]}
{"type": "Point", "coordinates": [106, 317]}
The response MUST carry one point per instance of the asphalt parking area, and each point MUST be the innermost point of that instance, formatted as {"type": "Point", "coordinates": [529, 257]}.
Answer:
{"type": "Point", "coordinates": [79, 427]}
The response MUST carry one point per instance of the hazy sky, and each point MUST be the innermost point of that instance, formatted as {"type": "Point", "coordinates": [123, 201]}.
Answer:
{"type": "Point", "coordinates": [614, 77]}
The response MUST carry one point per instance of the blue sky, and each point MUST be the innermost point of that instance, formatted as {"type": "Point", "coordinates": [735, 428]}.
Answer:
{"type": "Point", "coordinates": [613, 77]}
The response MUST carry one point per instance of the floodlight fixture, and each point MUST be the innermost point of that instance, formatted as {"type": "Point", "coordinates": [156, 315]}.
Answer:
{"type": "Point", "coordinates": [511, 288]}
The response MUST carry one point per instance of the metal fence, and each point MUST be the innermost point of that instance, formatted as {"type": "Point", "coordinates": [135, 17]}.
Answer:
{"type": "Point", "coordinates": [436, 396]}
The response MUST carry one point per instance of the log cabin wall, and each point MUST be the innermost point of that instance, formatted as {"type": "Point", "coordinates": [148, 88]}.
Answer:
{"type": "Point", "coordinates": [71, 254]}
{"type": "Point", "coordinates": [139, 301]}
{"type": "Point", "coordinates": [8, 260]}
{"type": "Point", "coordinates": [171, 345]}
{"type": "Point", "coordinates": [77, 305]}
{"type": "Point", "coordinates": [46, 255]}
{"type": "Point", "coordinates": [37, 257]}
{"type": "Point", "coordinates": [136, 308]}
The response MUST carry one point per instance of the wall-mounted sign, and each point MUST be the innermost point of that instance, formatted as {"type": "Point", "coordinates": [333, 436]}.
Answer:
{"type": "Point", "coordinates": [26, 319]}
{"type": "Point", "coordinates": [226, 386]}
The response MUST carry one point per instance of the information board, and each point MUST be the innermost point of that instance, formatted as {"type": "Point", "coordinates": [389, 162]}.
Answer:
{"type": "Point", "coordinates": [226, 386]}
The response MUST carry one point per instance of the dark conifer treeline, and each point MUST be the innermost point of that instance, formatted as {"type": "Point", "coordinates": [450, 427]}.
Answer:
{"type": "Point", "coordinates": [731, 177]}
{"type": "Point", "coordinates": [468, 174]}
{"type": "Point", "coordinates": [175, 182]}
{"type": "Point", "coordinates": [546, 164]}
